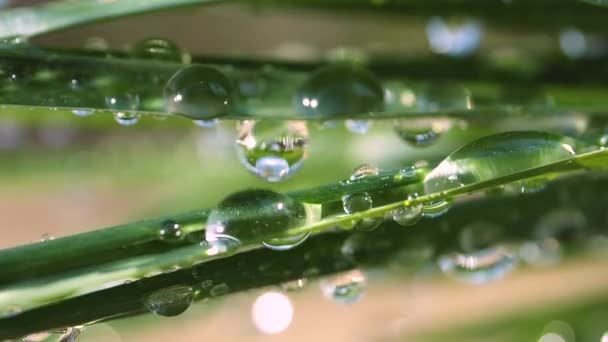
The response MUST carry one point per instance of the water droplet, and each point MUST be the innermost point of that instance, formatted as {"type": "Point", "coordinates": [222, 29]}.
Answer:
{"type": "Point", "coordinates": [272, 312]}
{"type": "Point", "coordinates": [353, 203]}
{"type": "Point", "coordinates": [421, 132]}
{"type": "Point", "coordinates": [480, 267]}
{"type": "Point", "coordinates": [358, 126]}
{"type": "Point", "coordinates": [124, 101]}
{"type": "Point", "coordinates": [219, 290]}
{"type": "Point", "coordinates": [206, 123]}
{"type": "Point", "coordinates": [46, 237]}
{"type": "Point", "coordinates": [257, 215]}
{"type": "Point", "coordinates": [528, 186]}
{"type": "Point", "coordinates": [443, 96]}
{"type": "Point", "coordinates": [294, 285]}
{"type": "Point", "coordinates": [436, 208]}
{"type": "Point", "coordinates": [170, 231]}
{"type": "Point", "coordinates": [170, 301]}
{"type": "Point", "coordinates": [158, 49]}
{"type": "Point", "coordinates": [126, 118]}
{"type": "Point", "coordinates": [199, 92]}
{"type": "Point", "coordinates": [364, 170]}
{"type": "Point", "coordinates": [82, 112]}
{"type": "Point", "coordinates": [339, 89]}
{"type": "Point", "coordinates": [272, 150]}
{"type": "Point", "coordinates": [407, 215]}
{"type": "Point", "coordinates": [496, 156]}
{"type": "Point", "coordinates": [344, 288]}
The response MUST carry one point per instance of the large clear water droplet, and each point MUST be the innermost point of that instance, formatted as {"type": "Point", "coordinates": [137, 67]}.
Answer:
{"type": "Point", "coordinates": [353, 203]}
{"type": "Point", "coordinates": [364, 170]}
{"type": "Point", "coordinates": [256, 216]}
{"type": "Point", "coordinates": [480, 267]}
{"type": "Point", "coordinates": [422, 131]}
{"type": "Point", "coordinates": [158, 49]}
{"type": "Point", "coordinates": [123, 101]}
{"type": "Point", "coordinates": [170, 301]}
{"type": "Point", "coordinates": [199, 92]}
{"type": "Point", "coordinates": [170, 231]}
{"type": "Point", "coordinates": [345, 288]}
{"type": "Point", "coordinates": [497, 156]}
{"type": "Point", "coordinates": [126, 118]}
{"type": "Point", "coordinates": [339, 90]}
{"type": "Point", "coordinates": [436, 208]}
{"type": "Point", "coordinates": [407, 215]}
{"type": "Point", "coordinates": [272, 150]}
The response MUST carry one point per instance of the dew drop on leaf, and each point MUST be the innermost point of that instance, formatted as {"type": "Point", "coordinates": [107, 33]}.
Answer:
{"type": "Point", "coordinates": [257, 216]}
{"type": "Point", "coordinates": [199, 92]}
{"type": "Point", "coordinates": [421, 132]}
{"type": "Point", "coordinates": [272, 150]}
{"type": "Point", "coordinates": [497, 156]}
{"type": "Point", "coordinates": [170, 231]}
{"type": "Point", "coordinates": [157, 49]}
{"type": "Point", "coordinates": [344, 288]}
{"type": "Point", "coordinates": [364, 170]}
{"type": "Point", "coordinates": [126, 118]}
{"type": "Point", "coordinates": [436, 208]}
{"type": "Point", "coordinates": [339, 90]}
{"type": "Point", "coordinates": [443, 96]}
{"type": "Point", "coordinates": [407, 215]}
{"type": "Point", "coordinates": [353, 203]}
{"type": "Point", "coordinates": [170, 301]}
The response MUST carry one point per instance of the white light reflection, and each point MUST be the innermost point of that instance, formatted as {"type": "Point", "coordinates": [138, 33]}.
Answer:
{"type": "Point", "coordinates": [272, 312]}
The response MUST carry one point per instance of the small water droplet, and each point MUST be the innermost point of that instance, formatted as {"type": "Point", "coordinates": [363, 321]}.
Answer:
{"type": "Point", "coordinates": [170, 231]}
{"type": "Point", "coordinates": [339, 89]}
{"type": "Point", "coordinates": [294, 285]}
{"type": "Point", "coordinates": [363, 171]}
{"type": "Point", "coordinates": [436, 208]}
{"type": "Point", "coordinates": [126, 118]}
{"type": "Point", "coordinates": [421, 132]}
{"type": "Point", "coordinates": [124, 101]}
{"type": "Point", "coordinates": [157, 49]}
{"type": "Point", "coordinates": [170, 301]}
{"type": "Point", "coordinates": [407, 215]}
{"type": "Point", "coordinates": [496, 156]}
{"type": "Point", "coordinates": [255, 215]}
{"type": "Point", "coordinates": [46, 237]}
{"type": "Point", "coordinates": [344, 288]}
{"type": "Point", "coordinates": [82, 112]}
{"type": "Point", "coordinates": [206, 123]}
{"type": "Point", "coordinates": [272, 312]}
{"type": "Point", "coordinates": [272, 150]}
{"type": "Point", "coordinates": [199, 92]}
{"type": "Point", "coordinates": [219, 290]}
{"type": "Point", "coordinates": [353, 203]}
{"type": "Point", "coordinates": [480, 267]}
{"type": "Point", "coordinates": [358, 126]}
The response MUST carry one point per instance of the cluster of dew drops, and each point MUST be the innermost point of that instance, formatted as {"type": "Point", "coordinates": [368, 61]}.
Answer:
{"type": "Point", "coordinates": [273, 150]}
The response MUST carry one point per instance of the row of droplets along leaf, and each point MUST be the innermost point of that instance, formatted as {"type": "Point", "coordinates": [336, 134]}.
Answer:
{"type": "Point", "coordinates": [266, 216]}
